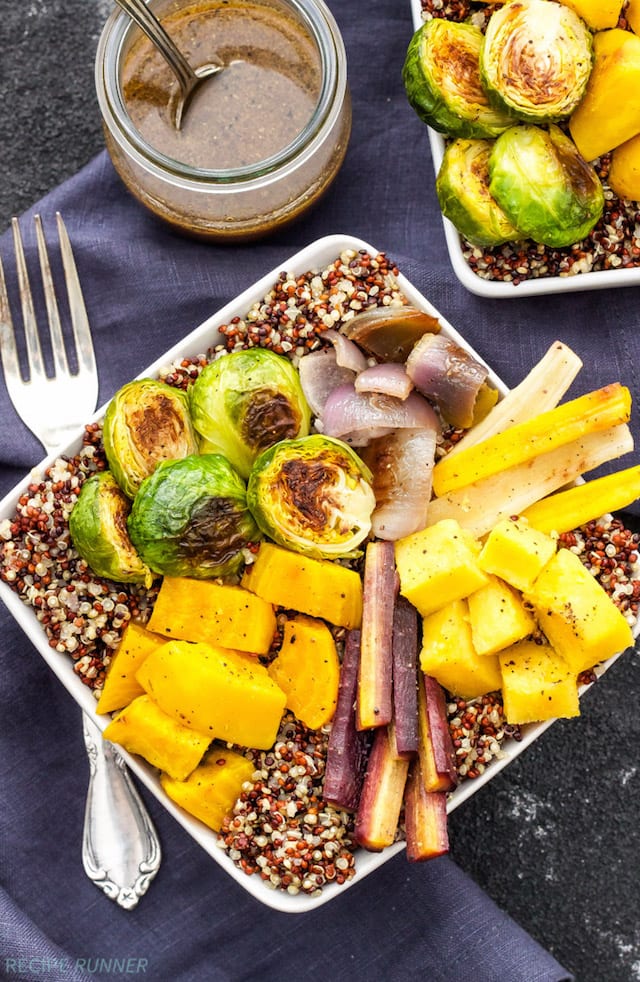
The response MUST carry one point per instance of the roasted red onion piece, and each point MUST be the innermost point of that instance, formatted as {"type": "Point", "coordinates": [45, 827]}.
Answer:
{"type": "Point", "coordinates": [449, 376]}
{"type": "Point", "coordinates": [402, 468]}
{"type": "Point", "coordinates": [348, 354]}
{"type": "Point", "coordinates": [388, 378]}
{"type": "Point", "coordinates": [390, 333]}
{"type": "Point", "coordinates": [320, 374]}
{"type": "Point", "coordinates": [358, 417]}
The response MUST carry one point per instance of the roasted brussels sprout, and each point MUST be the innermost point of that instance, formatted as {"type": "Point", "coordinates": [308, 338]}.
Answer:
{"type": "Point", "coordinates": [245, 402]}
{"type": "Point", "coordinates": [441, 76]}
{"type": "Point", "coordinates": [544, 186]}
{"type": "Point", "coordinates": [98, 529]}
{"type": "Point", "coordinates": [146, 422]}
{"type": "Point", "coordinates": [536, 60]}
{"type": "Point", "coordinates": [462, 186]}
{"type": "Point", "coordinates": [190, 518]}
{"type": "Point", "coordinates": [312, 495]}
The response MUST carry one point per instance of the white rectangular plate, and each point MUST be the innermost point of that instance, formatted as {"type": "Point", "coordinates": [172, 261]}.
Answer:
{"type": "Point", "coordinates": [316, 256]}
{"type": "Point", "coordinates": [599, 280]}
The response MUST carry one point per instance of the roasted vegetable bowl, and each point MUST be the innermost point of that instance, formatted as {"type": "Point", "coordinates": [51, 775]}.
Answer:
{"type": "Point", "coordinates": [227, 664]}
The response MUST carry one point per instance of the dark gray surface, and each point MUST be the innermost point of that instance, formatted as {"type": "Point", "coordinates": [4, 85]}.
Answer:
{"type": "Point", "coordinates": [554, 838]}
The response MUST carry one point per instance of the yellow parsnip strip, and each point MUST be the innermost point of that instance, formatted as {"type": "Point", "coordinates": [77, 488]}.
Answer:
{"type": "Point", "coordinates": [541, 390]}
{"type": "Point", "coordinates": [567, 510]}
{"type": "Point", "coordinates": [479, 506]}
{"type": "Point", "coordinates": [590, 413]}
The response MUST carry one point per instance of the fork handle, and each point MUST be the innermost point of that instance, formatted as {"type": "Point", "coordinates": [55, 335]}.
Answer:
{"type": "Point", "coordinates": [120, 848]}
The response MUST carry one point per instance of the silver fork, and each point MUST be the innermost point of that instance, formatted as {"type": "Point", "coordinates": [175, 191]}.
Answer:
{"type": "Point", "coordinates": [120, 848]}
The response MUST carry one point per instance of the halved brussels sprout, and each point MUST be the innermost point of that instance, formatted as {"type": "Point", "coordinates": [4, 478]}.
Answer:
{"type": "Point", "coordinates": [462, 186]}
{"type": "Point", "coordinates": [441, 76]}
{"type": "Point", "coordinates": [544, 186]}
{"type": "Point", "coordinates": [536, 60]}
{"type": "Point", "coordinates": [312, 495]}
{"type": "Point", "coordinates": [245, 402]}
{"type": "Point", "coordinates": [98, 529]}
{"type": "Point", "coordinates": [190, 518]}
{"type": "Point", "coordinates": [146, 422]}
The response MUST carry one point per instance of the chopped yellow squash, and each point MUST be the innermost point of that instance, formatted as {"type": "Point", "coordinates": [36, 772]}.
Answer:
{"type": "Point", "coordinates": [498, 617]}
{"type": "Point", "coordinates": [201, 610]}
{"type": "Point", "coordinates": [120, 685]}
{"type": "Point", "coordinates": [225, 694]}
{"type": "Point", "coordinates": [632, 13]}
{"type": "Point", "coordinates": [597, 14]}
{"type": "Point", "coordinates": [449, 656]}
{"type": "Point", "coordinates": [143, 728]}
{"type": "Point", "coordinates": [211, 791]}
{"type": "Point", "coordinates": [604, 120]}
{"type": "Point", "coordinates": [516, 552]}
{"type": "Point", "coordinates": [569, 509]}
{"type": "Point", "coordinates": [598, 410]}
{"type": "Point", "coordinates": [624, 171]}
{"type": "Point", "coordinates": [576, 614]}
{"type": "Point", "coordinates": [537, 684]}
{"type": "Point", "coordinates": [317, 587]}
{"type": "Point", "coordinates": [438, 565]}
{"type": "Point", "coordinates": [307, 669]}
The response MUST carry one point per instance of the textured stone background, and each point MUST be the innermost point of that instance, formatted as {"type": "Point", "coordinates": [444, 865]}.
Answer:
{"type": "Point", "coordinates": [554, 838]}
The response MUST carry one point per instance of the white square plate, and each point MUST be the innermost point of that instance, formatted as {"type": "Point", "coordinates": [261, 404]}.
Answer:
{"type": "Point", "coordinates": [598, 280]}
{"type": "Point", "coordinates": [316, 256]}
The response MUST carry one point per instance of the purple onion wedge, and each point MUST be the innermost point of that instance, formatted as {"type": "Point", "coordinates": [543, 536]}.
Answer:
{"type": "Point", "coordinates": [390, 333]}
{"type": "Point", "coordinates": [449, 376]}
{"type": "Point", "coordinates": [405, 678]}
{"type": "Point", "coordinates": [437, 756]}
{"type": "Point", "coordinates": [374, 707]}
{"type": "Point", "coordinates": [382, 795]}
{"type": "Point", "coordinates": [402, 465]}
{"type": "Point", "coordinates": [348, 749]}
{"type": "Point", "coordinates": [425, 819]}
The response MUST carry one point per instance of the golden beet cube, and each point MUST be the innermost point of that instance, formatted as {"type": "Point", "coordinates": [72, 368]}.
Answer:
{"type": "Point", "coordinates": [576, 614]}
{"type": "Point", "coordinates": [212, 789]}
{"type": "Point", "coordinates": [224, 693]}
{"type": "Point", "coordinates": [537, 684]}
{"type": "Point", "coordinates": [143, 728]}
{"type": "Point", "coordinates": [121, 685]}
{"type": "Point", "coordinates": [516, 552]}
{"type": "Point", "coordinates": [317, 587]}
{"type": "Point", "coordinates": [307, 669]}
{"type": "Point", "coordinates": [438, 565]}
{"type": "Point", "coordinates": [449, 656]}
{"type": "Point", "coordinates": [224, 614]}
{"type": "Point", "coordinates": [498, 617]}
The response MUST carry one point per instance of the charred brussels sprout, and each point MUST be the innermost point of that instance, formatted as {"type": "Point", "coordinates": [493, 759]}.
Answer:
{"type": "Point", "coordinates": [462, 186]}
{"type": "Point", "coordinates": [98, 528]}
{"type": "Point", "coordinates": [146, 422]}
{"type": "Point", "coordinates": [441, 76]}
{"type": "Point", "coordinates": [245, 402]}
{"type": "Point", "coordinates": [544, 186]}
{"type": "Point", "coordinates": [536, 60]}
{"type": "Point", "coordinates": [190, 518]}
{"type": "Point", "coordinates": [312, 495]}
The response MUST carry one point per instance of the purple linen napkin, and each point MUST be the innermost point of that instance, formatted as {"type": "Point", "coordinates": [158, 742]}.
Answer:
{"type": "Point", "coordinates": [145, 288]}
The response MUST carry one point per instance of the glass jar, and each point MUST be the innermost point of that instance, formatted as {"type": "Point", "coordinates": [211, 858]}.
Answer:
{"type": "Point", "coordinates": [233, 202]}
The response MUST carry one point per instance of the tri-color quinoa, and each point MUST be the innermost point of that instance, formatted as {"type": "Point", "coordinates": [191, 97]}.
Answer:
{"type": "Point", "coordinates": [281, 828]}
{"type": "Point", "coordinates": [614, 243]}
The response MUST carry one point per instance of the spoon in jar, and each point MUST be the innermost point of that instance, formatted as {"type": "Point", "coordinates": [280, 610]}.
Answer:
{"type": "Point", "coordinates": [188, 78]}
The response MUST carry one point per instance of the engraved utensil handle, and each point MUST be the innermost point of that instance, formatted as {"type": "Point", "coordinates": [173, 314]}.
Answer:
{"type": "Point", "coordinates": [120, 848]}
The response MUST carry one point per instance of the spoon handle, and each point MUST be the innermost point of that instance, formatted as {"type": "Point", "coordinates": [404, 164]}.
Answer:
{"type": "Point", "coordinates": [120, 848]}
{"type": "Point", "coordinates": [151, 26]}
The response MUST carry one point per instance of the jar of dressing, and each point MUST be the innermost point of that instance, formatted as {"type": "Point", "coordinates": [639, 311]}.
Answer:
{"type": "Point", "coordinates": [260, 142]}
